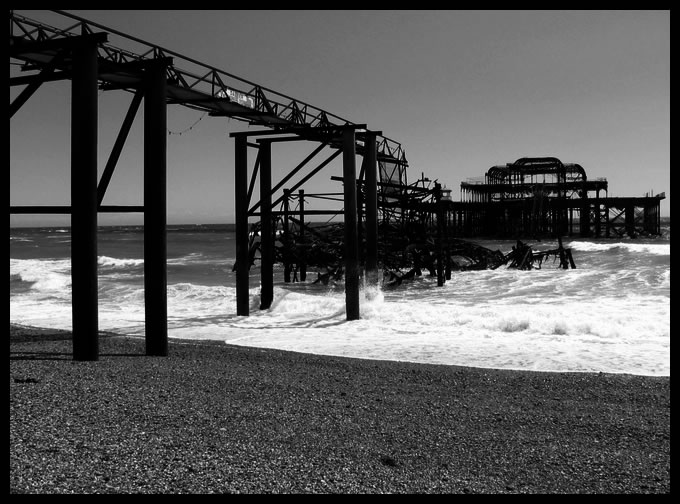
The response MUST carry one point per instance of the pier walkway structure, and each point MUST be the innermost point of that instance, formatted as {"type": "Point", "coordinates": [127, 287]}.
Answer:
{"type": "Point", "coordinates": [84, 52]}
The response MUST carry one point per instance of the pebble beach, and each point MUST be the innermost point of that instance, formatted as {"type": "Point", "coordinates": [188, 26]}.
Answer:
{"type": "Point", "coordinates": [218, 418]}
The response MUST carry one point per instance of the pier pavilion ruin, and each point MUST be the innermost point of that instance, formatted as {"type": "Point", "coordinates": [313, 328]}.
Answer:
{"type": "Point", "coordinates": [543, 197]}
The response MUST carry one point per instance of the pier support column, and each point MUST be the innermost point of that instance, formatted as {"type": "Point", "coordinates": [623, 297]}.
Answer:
{"type": "Point", "coordinates": [351, 245]}
{"type": "Point", "coordinates": [608, 222]}
{"type": "Point", "coordinates": [630, 220]}
{"type": "Point", "coordinates": [371, 189]}
{"type": "Point", "coordinates": [598, 215]}
{"type": "Point", "coordinates": [584, 221]}
{"type": "Point", "coordinates": [650, 219]}
{"type": "Point", "coordinates": [267, 237]}
{"type": "Point", "coordinates": [155, 210]}
{"type": "Point", "coordinates": [440, 233]}
{"type": "Point", "coordinates": [303, 253]}
{"type": "Point", "coordinates": [84, 203]}
{"type": "Point", "coordinates": [286, 236]}
{"type": "Point", "coordinates": [241, 217]}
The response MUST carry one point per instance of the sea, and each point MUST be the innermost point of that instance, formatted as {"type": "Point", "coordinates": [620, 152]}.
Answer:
{"type": "Point", "coordinates": [610, 314]}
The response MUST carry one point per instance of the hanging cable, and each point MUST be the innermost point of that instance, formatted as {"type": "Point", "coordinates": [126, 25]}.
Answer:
{"type": "Point", "coordinates": [189, 128]}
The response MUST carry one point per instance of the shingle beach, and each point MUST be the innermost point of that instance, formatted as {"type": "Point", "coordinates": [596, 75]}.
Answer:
{"type": "Point", "coordinates": [218, 418]}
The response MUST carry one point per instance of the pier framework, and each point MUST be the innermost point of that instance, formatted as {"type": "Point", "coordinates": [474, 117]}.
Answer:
{"type": "Point", "coordinates": [541, 196]}
{"type": "Point", "coordinates": [82, 53]}
{"type": "Point", "coordinates": [384, 215]}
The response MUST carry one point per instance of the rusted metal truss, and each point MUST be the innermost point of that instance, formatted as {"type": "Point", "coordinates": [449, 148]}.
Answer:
{"type": "Point", "coordinates": [190, 83]}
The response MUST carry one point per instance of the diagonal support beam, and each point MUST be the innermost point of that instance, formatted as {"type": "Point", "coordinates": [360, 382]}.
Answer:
{"type": "Point", "coordinates": [307, 177]}
{"type": "Point", "coordinates": [289, 176]}
{"type": "Point", "coordinates": [35, 83]}
{"type": "Point", "coordinates": [118, 145]}
{"type": "Point", "coordinates": [254, 176]}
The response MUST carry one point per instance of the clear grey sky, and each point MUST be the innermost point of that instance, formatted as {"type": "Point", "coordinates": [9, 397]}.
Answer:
{"type": "Point", "coordinates": [460, 90]}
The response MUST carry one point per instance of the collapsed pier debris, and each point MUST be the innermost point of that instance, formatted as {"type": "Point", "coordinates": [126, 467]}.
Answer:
{"type": "Point", "coordinates": [422, 230]}
{"type": "Point", "coordinates": [523, 257]}
{"type": "Point", "coordinates": [402, 257]}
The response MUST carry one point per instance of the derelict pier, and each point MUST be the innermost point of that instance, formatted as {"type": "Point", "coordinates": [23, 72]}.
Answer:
{"type": "Point", "coordinates": [544, 197]}
{"type": "Point", "coordinates": [388, 222]}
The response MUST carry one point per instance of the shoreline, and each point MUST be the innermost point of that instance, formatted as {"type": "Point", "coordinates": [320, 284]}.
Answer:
{"type": "Point", "coordinates": [218, 418]}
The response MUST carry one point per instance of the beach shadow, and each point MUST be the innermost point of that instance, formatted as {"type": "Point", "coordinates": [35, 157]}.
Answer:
{"type": "Point", "coordinates": [34, 336]}
{"type": "Point", "coordinates": [62, 356]}
{"type": "Point", "coordinates": [36, 356]}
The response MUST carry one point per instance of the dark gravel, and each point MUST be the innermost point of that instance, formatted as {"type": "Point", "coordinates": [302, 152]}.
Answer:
{"type": "Point", "coordinates": [215, 418]}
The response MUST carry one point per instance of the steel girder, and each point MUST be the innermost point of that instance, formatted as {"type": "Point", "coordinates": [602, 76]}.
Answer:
{"type": "Point", "coordinates": [190, 83]}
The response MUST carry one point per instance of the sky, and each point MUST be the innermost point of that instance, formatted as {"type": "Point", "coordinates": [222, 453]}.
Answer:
{"type": "Point", "coordinates": [461, 91]}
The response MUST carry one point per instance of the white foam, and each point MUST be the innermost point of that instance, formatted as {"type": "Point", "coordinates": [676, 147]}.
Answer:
{"type": "Point", "coordinates": [48, 276]}
{"type": "Point", "coordinates": [118, 262]}
{"type": "Point", "coordinates": [548, 320]}
{"type": "Point", "coordinates": [638, 248]}
{"type": "Point", "coordinates": [187, 259]}
{"type": "Point", "coordinates": [570, 337]}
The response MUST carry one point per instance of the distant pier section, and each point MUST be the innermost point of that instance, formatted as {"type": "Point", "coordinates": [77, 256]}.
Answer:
{"type": "Point", "coordinates": [542, 196]}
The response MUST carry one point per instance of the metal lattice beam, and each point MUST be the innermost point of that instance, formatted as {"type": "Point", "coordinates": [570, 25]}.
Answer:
{"type": "Point", "coordinates": [190, 83]}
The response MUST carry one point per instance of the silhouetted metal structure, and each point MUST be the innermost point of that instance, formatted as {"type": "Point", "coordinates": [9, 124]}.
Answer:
{"type": "Point", "coordinates": [382, 211]}
{"type": "Point", "coordinates": [84, 56]}
{"type": "Point", "coordinates": [541, 196]}
{"type": "Point", "coordinates": [81, 52]}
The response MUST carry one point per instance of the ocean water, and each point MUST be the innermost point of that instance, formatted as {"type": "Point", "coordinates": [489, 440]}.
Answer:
{"type": "Point", "coordinates": [610, 314]}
